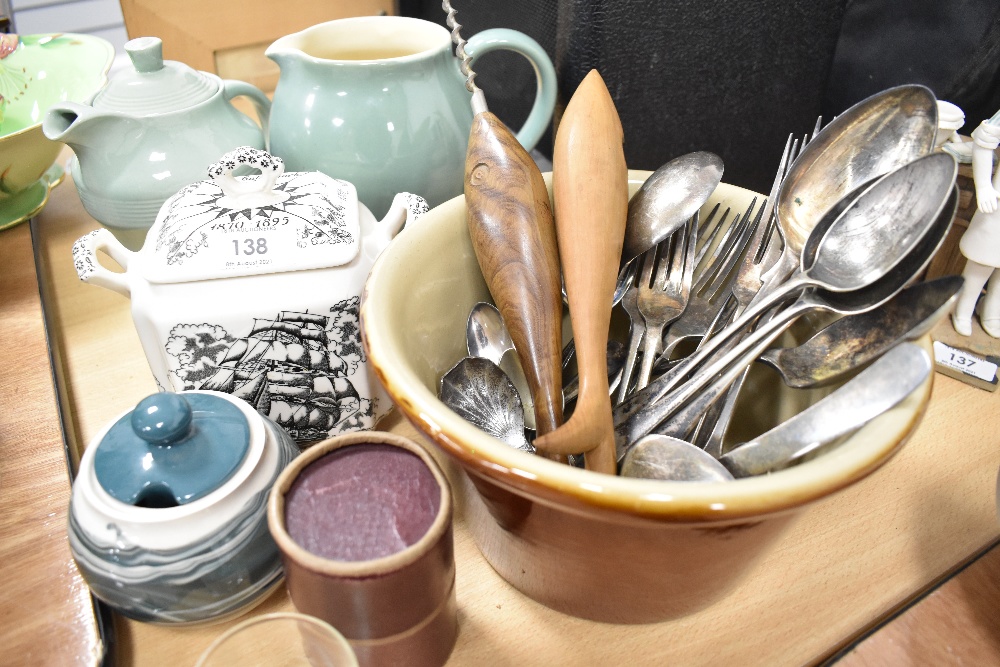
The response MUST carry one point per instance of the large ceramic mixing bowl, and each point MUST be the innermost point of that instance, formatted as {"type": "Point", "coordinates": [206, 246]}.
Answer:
{"type": "Point", "coordinates": [592, 545]}
{"type": "Point", "coordinates": [37, 71]}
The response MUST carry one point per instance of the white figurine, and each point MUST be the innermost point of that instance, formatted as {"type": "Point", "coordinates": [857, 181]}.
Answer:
{"type": "Point", "coordinates": [950, 119]}
{"type": "Point", "coordinates": [981, 242]}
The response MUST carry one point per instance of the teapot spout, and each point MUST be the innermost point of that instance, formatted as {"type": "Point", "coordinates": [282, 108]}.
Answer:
{"type": "Point", "coordinates": [62, 122]}
{"type": "Point", "coordinates": [81, 127]}
{"type": "Point", "coordinates": [405, 209]}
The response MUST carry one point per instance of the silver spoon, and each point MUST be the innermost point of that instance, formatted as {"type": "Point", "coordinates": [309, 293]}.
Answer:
{"type": "Point", "coordinates": [479, 392]}
{"type": "Point", "coordinates": [646, 409]}
{"type": "Point", "coordinates": [671, 459]}
{"type": "Point", "coordinates": [486, 337]}
{"type": "Point", "coordinates": [872, 138]}
{"type": "Point", "coordinates": [872, 392]}
{"type": "Point", "coordinates": [668, 199]}
{"type": "Point", "coordinates": [854, 340]}
{"type": "Point", "coordinates": [664, 202]}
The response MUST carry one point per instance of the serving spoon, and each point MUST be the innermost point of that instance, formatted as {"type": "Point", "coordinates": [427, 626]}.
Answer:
{"type": "Point", "coordinates": [872, 392]}
{"type": "Point", "coordinates": [854, 340]}
{"type": "Point", "coordinates": [870, 139]}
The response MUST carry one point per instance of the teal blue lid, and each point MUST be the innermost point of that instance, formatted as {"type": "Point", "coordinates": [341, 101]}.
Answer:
{"type": "Point", "coordinates": [172, 449]}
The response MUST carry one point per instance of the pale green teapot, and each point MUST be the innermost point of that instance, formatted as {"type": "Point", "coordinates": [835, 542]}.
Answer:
{"type": "Point", "coordinates": [379, 101]}
{"type": "Point", "coordinates": [149, 133]}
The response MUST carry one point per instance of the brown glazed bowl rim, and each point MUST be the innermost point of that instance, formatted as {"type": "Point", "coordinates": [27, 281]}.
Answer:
{"type": "Point", "coordinates": [583, 491]}
{"type": "Point", "coordinates": [366, 568]}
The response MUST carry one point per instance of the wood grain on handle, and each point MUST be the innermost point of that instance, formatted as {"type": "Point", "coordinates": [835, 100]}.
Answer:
{"type": "Point", "coordinates": [513, 234]}
{"type": "Point", "coordinates": [590, 184]}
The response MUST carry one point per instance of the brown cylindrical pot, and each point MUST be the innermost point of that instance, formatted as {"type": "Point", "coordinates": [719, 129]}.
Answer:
{"type": "Point", "coordinates": [398, 609]}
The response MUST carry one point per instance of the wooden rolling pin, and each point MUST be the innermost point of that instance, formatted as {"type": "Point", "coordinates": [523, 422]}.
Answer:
{"type": "Point", "coordinates": [590, 184]}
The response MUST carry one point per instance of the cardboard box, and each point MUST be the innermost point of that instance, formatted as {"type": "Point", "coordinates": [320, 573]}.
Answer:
{"type": "Point", "coordinates": [228, 37]}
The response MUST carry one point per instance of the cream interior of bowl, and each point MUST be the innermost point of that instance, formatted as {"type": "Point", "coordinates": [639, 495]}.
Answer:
{"type": "Point", "coordinates": [417, 301]}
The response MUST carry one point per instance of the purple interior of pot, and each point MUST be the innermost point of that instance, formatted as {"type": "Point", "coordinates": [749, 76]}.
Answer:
{"type": "Point", "coordinates": [362, 502]}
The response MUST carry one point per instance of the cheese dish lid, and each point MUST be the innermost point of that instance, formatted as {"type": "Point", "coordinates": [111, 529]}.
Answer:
{"type": "Point", "coordinates": [273, 222]}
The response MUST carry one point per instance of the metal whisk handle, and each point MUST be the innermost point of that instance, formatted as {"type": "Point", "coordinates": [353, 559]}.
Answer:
{"type": "Point", "coordinates": [478, 99]}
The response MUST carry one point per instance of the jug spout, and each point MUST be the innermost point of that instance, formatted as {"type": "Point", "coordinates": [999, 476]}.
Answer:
{"type": "Point", "coordinates": [284, 50]}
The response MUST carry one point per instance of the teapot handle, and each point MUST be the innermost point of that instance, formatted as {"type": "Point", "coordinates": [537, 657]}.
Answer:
{"type": "Point", "coordinates": [262, 105]}
{"type": "Point", "coordinates": [497, 39]}
{"type": "Point", "coordinates": [89, 269]}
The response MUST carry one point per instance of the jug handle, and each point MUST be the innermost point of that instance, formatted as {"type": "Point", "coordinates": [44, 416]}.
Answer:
{"type": "Point", "coordinates": [232, 88]}
{"type": "Point", "coordinates": [90, 270]}
{"type": "Point", "coordinates": [497, 39]}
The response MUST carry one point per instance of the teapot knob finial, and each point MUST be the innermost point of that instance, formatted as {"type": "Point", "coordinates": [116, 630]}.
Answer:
{"type": "Point", "coordinates": [146, 53]}
{"type": "Point", "coordinates": [162, 419]}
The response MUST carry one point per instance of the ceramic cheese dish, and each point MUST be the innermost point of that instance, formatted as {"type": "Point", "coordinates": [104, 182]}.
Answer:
{"type": "Point", "coordinates": [167, 519]}
{"type": "Point", "coordinates": [251, 286]}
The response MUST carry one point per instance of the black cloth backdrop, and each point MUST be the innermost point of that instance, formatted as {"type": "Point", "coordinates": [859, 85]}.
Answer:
{"type": "Point", "coordinates": [735, 77]}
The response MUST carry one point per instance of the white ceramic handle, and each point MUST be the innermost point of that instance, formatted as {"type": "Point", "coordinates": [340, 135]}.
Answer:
{"type": "Point", "coordinates": [89, 268]}
{"type": "Point", "coordinates": [271, 168]}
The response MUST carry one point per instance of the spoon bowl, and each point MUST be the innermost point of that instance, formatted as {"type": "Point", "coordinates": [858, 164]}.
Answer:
{"type": "Point", "coordinates": [874, 137]}
{"type": "Point", "coordinates": [872, 235]}
{"type": "Point", "coordinates": [482, 394]}
{"type": "Point", "coordinates": [855, 340]}
{"type": "Point", "coordinates": [486, 334]}
{"type": "Point", "coordinates": [668, 199]}
{"type": "Point", "coordinates": [667, 458]}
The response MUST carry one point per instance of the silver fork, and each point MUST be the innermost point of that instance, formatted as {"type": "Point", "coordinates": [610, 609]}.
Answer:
{"type": "Point", "coordinates": [749, 286]}
{"type": "Point", "coordinates": [708, 231]}
{"type": "Point", "coordinates": [713, 284]}
{"type": "Point", "coordinates": [664, 288]}
{"type": "Point", "coordinates": [629, 303]}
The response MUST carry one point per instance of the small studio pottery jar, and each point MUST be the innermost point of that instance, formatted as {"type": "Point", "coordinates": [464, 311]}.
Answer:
{"type": "Point", "coordinates": [251, 286]}
{"type": "Point", "coordinates": [148, 133]}
{"type": "Point", "coordinates": [167, 519]}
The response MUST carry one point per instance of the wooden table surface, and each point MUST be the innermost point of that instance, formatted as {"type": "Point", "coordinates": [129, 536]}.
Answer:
{"type": "Point", "coordinates": [847, 565]}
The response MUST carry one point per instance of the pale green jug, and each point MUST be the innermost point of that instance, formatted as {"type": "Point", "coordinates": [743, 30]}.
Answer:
{"type": "Point", "coordinates": [379, 101]}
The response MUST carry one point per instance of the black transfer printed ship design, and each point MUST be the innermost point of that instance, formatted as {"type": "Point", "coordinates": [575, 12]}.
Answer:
{"type": "Point", "coordinates": [294, 368]}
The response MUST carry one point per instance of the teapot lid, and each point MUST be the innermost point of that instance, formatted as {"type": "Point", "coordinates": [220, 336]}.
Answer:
{"type": "Point", "coordinates": [172, 449]}
{"type": "Point", "coordinates": [154, 85]}
{"type": "Point", "coordinates": [233, 226]}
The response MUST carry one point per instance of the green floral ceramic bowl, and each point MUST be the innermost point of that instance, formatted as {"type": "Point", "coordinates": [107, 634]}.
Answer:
{"type": "Point", "coordinates": [36, 71]}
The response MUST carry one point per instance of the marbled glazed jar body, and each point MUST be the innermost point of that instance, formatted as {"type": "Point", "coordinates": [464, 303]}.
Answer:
{"type": "Point", "coordinates": [196, 561]}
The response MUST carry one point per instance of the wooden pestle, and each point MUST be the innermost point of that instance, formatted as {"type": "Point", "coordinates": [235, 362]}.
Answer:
{"type": "Point", "coordinates": [590, 184]}
{"type": "Point", "coordinates": [513, 235]}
